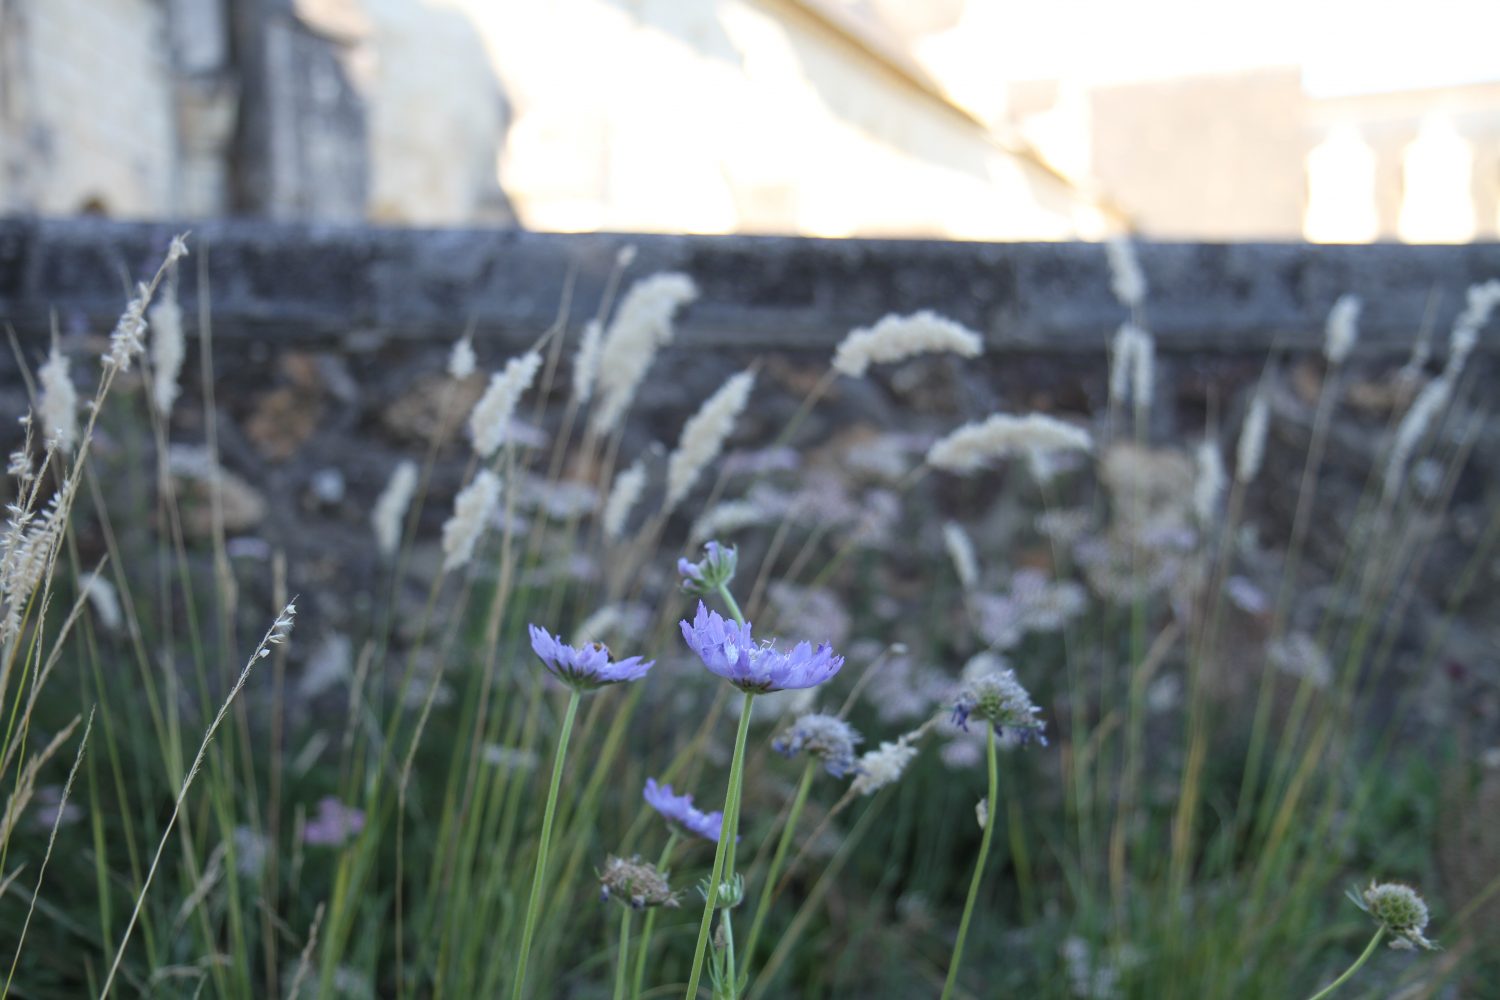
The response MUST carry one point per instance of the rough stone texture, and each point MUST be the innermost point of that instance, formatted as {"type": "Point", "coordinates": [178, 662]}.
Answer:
{"type": "Point", "coordinates": [310, 283]}
{"type": "Point", "coordinates": [330, 344]}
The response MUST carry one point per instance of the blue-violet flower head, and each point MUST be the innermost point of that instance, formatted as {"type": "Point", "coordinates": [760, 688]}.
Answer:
{"type": "Point", "coordinates": [586, 667]}
{"type": "Point", "coordinates": [678, 810]}
{"type": "Point", "coordinates": [1000, 700]}
{"type": "Point", "coordinates": [825, 736]}
{"type": "Point", "coordinates": [729, 650]}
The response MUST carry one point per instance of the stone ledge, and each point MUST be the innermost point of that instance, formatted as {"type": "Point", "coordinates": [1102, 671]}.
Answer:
{"type": "Point", "coordinates": [305, 283]}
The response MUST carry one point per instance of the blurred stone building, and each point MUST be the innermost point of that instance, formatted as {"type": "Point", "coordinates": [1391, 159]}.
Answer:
{"type": "Point", "coordinates": [819, 117]}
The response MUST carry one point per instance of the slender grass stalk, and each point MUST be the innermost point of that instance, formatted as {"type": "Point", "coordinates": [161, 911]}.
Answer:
{"type": "Point", "coordinates": [533, 906]}
{"type": "Point", "coordinates": [814, 898]}
{"type": "Point", "coordinates": [1358, 963]}
{"type": "Point", "coordinates": [62, 803]}
{"type": "Point", "coordinates": [984, 853]}
{"type": "Point", "coordinates": [623, 960]}
{"type": "Point", "coordinates": [728, 831]}
{"type": "Point", "coordinates": [644, 949]}
{"type": "Point", "coordinates": [763, 905]}
{"type": "Point", "coordinates": [140, 899]}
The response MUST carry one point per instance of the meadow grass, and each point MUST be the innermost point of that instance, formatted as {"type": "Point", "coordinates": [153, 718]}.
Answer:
{"type": "Point", "coordinates": [438, 819]}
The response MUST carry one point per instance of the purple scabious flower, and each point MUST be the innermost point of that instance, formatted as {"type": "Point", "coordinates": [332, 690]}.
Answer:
{"type": "Point", "coordinates": [729, 650]}
{"type": "Point", "coordinates": [679, 811]}
{"type": "Point", "coordinates": [1000, 700]}
{"type": "Point", "coordinates": [826, 737]}
{"type": "Point", "coordinates": [335, 824]}
{"type": "Point", "coordinates": [584, 668]}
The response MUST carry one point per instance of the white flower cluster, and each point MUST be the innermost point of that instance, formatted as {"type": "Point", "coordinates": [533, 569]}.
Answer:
{"type": "Point", "coordinates": [961, 552]}
{"type": "Point", "coordinates": [489, 423]}
{"type": "Point", "coordinates": [58, 406]}
{"type": "Point", "coordinates": [879, 768]}
{"type": "Point", "coordinates": [461, 362]}
{"type": "Point", "coordinates": [389, 513]}
{"type": "Point", "coordinates": [1132, 373]}
{"type": "Point", "coordinates": [642, 326]}
{"type": "Point", "coordinates": [473, 509]}
{"type": "Point", "coordinates": [1127, 280]}
{"type": "Point", "coordinates": [704, 434]}
{"type": "Point", "coordinates": [896, 338]}
{"type": "Point", "coordinates": [168, 349]}
{"type": "Point", "coordinates": [973, 446]}
{"type": "Point", "coordinates": [623, 496]}
{"type": "Point", "coordinates": [1343, 329]}
{"type": "Point", "coordinates": [1252, 446]}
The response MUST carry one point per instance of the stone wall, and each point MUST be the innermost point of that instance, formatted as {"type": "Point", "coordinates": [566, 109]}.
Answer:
{"type": "Point", "coordinates": [330, 344]}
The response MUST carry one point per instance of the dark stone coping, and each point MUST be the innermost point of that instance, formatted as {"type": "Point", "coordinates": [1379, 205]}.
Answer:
{"type": "Point", "coordinates": [299, 283]}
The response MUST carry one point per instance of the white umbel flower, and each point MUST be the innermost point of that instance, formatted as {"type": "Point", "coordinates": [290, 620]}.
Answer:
{"type": "Point", "coordinates": [976, 445]}
{"type": "Point", "coordinates": [1208, 488]}
{"type": "Point", "coordinates": [389, 513]}
{"type": "Point", "coordinates": [704, 434]}
{"type": "Point", "coordinates": [623, 497]}
{"type": "Point", "coordinates": [168, 349]}
{"type": "Point", "coordinates": [641, 327]}
{"type": "Point", "coordinates": [1252, 447]}
{"type": "Point", "coordinates": [882, 767]}
{"type": "Point", "coordinates": [473, 509]}
{"type": "Point", "coordinates": [1126, 278]}
{"type": "Point", "coordinates": [58, 406]}
{"type": "Point", "coordinates": [1343, 329]}
{"type": "Point", "coordinates": [461, 362]}
{"type": "Point", "coordinates": [490, 420]}
{"type": "Point", "coordinates": [896, 338]}
{"type": "Point", "coordinates": [961, 551]}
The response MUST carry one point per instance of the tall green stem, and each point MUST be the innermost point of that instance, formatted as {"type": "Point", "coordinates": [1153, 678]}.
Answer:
{"type": "Point", "coordinates": [624, 954]}
{"type": "Point", "coordinates": [1358, 962]}
{"type": "Point", "coordinates": [984, 852]}
{"type": "Point", "coordinates": [763, 906]}
{"type": "Point", "coordinates": [534, 905]}
{"type": "Point", "coordinates": [732, 604]}
{"type": "Point", "coordinates": [728, 831]}
{"type": "Point", "coordinates": [644, 949]}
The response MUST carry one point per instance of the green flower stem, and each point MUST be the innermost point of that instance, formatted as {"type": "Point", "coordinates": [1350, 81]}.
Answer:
{"type": "Point", "coordinates": [534, 905]}
{"type": "Point", "coordinates": [644, 949]}
{"type": "Point", "coordinates": [728, 831]}
{"type": "Point", "coordinates": [729, 980]}
{"type": "Point", "coordinates": [623, 960]}
{"type": "Point", "coordinates": [984, 852]}
{"type": "Point", "coordinates": [763, 906]}
{"type": "Point", "coordinates": [1358, 962]}
{"type": "Point", "coordinates": [732, 604]}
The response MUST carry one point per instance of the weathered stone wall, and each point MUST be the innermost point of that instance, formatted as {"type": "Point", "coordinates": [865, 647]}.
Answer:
{"type": "Point", "coordinates": [330, 346]}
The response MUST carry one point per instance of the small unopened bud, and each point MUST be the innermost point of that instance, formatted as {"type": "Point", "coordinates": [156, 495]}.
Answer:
{"type": "Point", "coordinates": [731, 892]}
{"type": "Point", "coordinates": [713, 571]}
